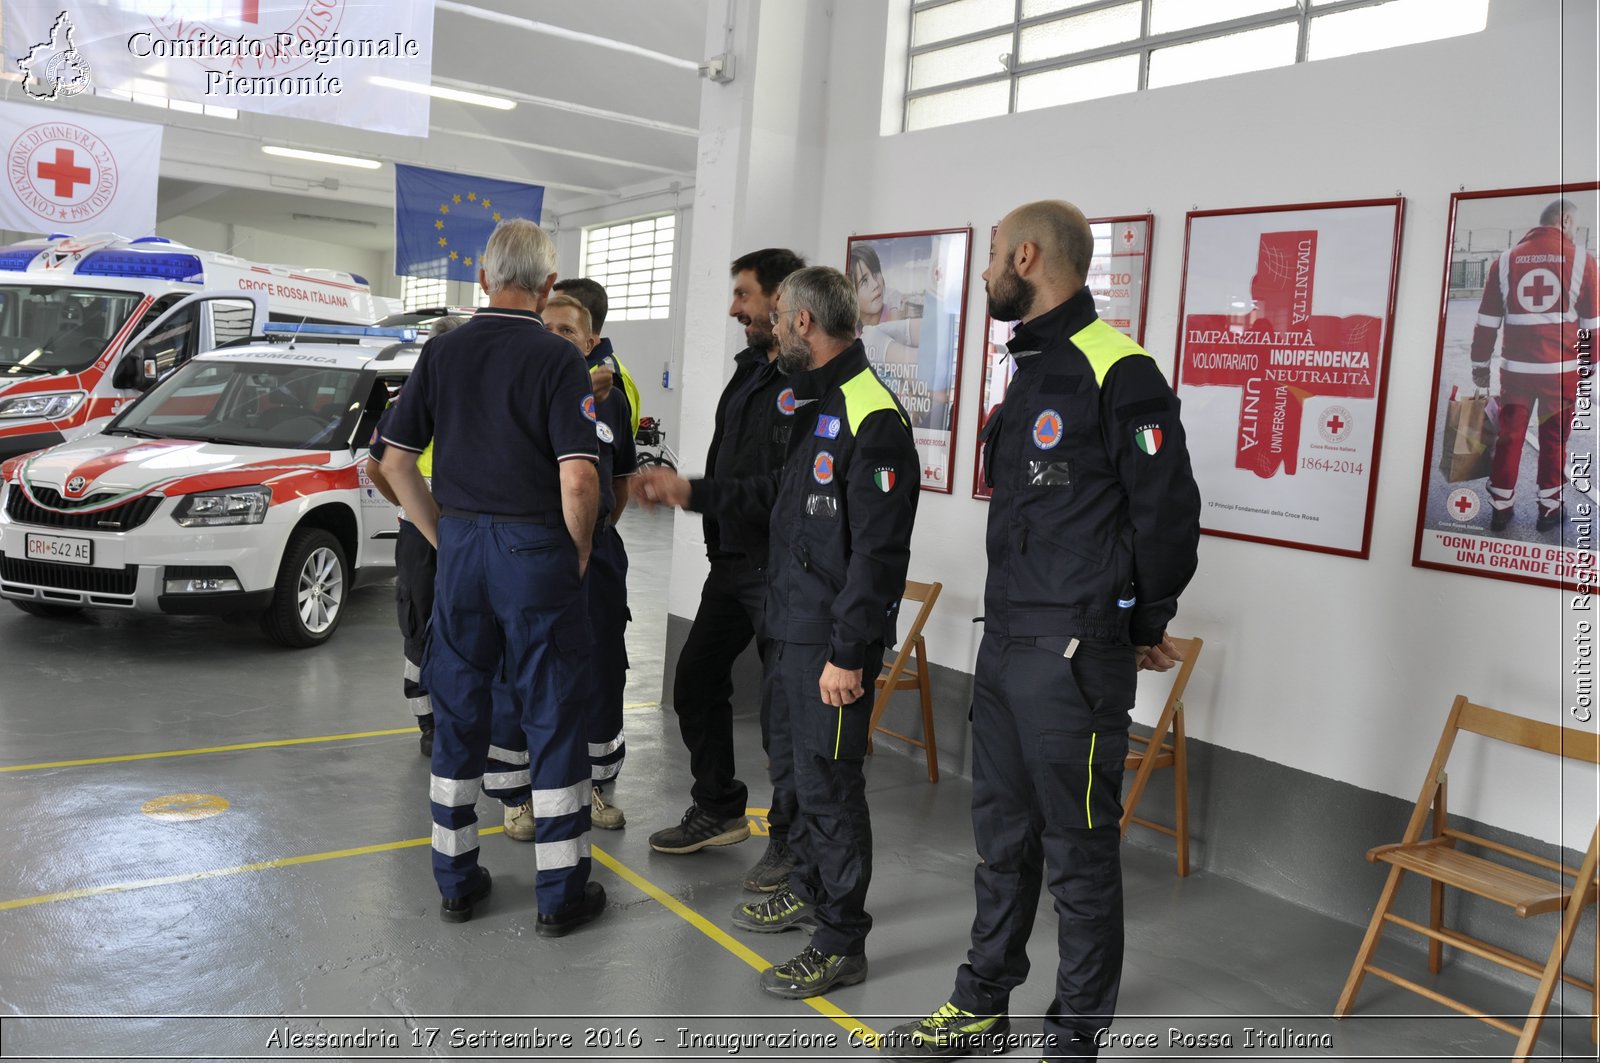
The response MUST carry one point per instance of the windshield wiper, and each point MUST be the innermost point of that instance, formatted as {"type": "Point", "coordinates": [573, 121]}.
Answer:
{"type": "Point", "coordinates": [140, 432]}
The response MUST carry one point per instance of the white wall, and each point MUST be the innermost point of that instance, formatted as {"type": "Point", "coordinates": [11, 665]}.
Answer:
{"type": "Point", "coordinates": [1340, 667]}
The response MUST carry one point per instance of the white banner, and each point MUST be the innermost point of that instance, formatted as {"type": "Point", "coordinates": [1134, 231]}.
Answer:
{"type": "Point", "coordinates": [311, 59]}
{"type": "Point", "coordinates": [69, 172]}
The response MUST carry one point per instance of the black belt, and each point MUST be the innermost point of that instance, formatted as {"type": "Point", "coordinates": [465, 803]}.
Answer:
{"type": "Point", "coordinates": [549, 520]}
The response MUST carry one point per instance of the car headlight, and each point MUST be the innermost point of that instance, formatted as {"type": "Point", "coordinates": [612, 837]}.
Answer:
{"type": "Point", "coordinates": [51, 407]}
{"type": "Point", "coordinates": [236, 505]}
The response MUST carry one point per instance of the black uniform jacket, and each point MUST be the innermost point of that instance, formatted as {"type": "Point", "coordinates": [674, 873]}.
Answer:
{"type": "Point", "coordinates": [750, 438]}
{"type": "Point", "coordinates": [842, 509]}
{"type": "Point", "coordinates": [1094, 525]}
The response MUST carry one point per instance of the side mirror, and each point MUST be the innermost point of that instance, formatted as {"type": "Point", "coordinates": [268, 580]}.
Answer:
{"type": "Point", "coordinates": [135, 372]}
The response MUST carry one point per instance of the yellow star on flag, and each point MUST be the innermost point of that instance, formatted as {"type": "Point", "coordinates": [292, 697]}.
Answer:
{"type": "Point", "coordinates": [444, 208]}
{"type": "Point", "coordinates": [438, 223]}
{"type": "Point", "coordinates": [495, 215]}
{"type": "Point", "coordinates": [443, 242]}
{"type": "Point", "coordinates": [472, 196]}
{"type": "Point", "coordinates": [454, 256]}
{"type": "Point", "coordinates": [468, 260]}
{"type": "Point", "coordinates": [456, 198]}
{"type": "Point", "coordinates": [485, 202]}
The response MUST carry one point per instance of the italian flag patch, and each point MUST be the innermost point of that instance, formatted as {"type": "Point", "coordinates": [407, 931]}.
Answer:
{"type": "Point", "coordinates": [1148, 438]}
{"type": "Point", "coordinates": [884, 478]}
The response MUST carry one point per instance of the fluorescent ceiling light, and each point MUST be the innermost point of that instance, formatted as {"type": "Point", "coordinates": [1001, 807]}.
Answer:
{"type": "Point", "coordinates": [499, 103]}
{"type": "Point", "coordinates": [321, 156]}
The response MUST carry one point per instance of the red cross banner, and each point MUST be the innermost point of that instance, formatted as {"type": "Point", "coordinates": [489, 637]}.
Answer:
{"type": "Point", "coordinates": [1283, 340]}
{"type": "Point", "coordinates": [76, 173]}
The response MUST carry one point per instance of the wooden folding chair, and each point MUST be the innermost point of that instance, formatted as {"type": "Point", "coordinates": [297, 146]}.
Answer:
{"type": "Point", "coordinates": [900, 675]}
{"type": "Point", "coordinates": [1441, 861]}
{"type": "Point", "coordinates": [1156, 752]}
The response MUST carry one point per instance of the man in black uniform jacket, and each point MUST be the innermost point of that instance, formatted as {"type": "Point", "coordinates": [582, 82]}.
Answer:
{"type": "Point", "coordinates": [752, 433]}
{"type": "Point", "coordinates": [842, 510]}
{"type": "Point", "coordinates": [1093, 531]}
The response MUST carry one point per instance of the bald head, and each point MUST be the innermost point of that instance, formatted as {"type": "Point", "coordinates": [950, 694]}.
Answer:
{"type": "Point", "coordinates": [1060, 232]}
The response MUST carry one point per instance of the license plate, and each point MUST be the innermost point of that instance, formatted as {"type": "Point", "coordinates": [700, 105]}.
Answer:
{"type": "Point", "coordinates": [61, 549]}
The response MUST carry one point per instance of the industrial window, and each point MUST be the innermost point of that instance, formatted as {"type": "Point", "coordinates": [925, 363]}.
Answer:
{"type": "Point", "coordinates": [633, 259]}
{"type": "Point", "coordinates": [422, 293]}
{"type": "Point", "coordinates": [979, 58]}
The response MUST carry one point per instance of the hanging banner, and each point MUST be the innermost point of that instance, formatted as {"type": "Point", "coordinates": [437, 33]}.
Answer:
{"type": "Point", "coordinates": [75, 173]}
{"type": "Point", "coordinates": [1284, 330]}
{"type": "Point", "coordinates": [1119, 279]}
{"type": "Point", "coordinates": [312, 59]}
{"type": "Point", "coordinates": [1508, 484]}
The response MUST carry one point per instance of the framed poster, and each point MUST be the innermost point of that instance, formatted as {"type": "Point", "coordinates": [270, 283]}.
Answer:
{"type": "Point", "coordinates": [1119, 277]}
{"type": "Point", "coordinates": [912, 290]}
{"type": "Point", "coordinates": [1284, 327]}
{"type": "Point", "coordinates": [1508, 488]}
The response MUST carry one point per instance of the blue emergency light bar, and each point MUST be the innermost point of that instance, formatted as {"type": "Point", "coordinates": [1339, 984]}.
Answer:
{"type": "Point", "coordinates": [17, 260]}
{"type": "Point", "coordinates": [287, 328]}
{"type": "Point", "coordinates": [168, 266]}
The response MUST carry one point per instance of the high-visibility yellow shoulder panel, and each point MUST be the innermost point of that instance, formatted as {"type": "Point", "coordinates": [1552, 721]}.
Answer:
{"type": "Point", "coordinates": [425, 460]}
{"type": "Point", "coordinates": [1104, 346]}
{"type": "Point", "coordinates": [865, 394]}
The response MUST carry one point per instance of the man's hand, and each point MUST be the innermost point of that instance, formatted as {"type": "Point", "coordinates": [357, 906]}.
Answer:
{"type": "Point", "coordinates": [661, 487]}
{"type": "Point", "coordinates": [1162, 657]}
{"type": "Point", "coordinates": [601, 378]}
{"type": "Point", "coordinates": [1480, 374]}
{"type": "Point", "coordinates": [839, 686]}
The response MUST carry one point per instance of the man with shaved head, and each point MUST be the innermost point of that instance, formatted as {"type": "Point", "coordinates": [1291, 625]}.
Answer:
{"type": "Point", "coordinates": [1093, 530]}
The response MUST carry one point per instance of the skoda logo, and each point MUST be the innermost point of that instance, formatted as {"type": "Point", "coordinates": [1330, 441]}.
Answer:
{"type": "Point", "coordinates": [76, 485]}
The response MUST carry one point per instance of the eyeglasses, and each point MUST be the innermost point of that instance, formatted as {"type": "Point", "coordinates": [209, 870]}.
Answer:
{"type": "Point", "coordinates": [776, 314]}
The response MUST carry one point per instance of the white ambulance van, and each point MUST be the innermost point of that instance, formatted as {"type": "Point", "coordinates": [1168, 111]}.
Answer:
{"type": "Point", "coordinates": [89, 323]}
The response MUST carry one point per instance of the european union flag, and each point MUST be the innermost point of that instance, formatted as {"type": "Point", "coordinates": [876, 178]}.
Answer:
{"type": "Point", "coordinates": [442, 220]}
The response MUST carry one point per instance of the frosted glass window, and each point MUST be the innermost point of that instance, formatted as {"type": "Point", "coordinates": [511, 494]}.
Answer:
{"type": "Point", "coordinates": [1390, 25]}
{"type": "Point", "coordinates": [1080, 33]}
{"type": "Point", "coordinates": [630, 258]}
{"type": "Point", "coordinates": [1170, 16]}
{"type": "Point", "coordinates": [959, 63]}
{"type": "Point", "coordinates": [1071, 84]}
{"type": "Point", "coordinates": [959, 19]}
{"type": "Point", "coordinates": [1031, 8]}
{"type": "Point", "coordinates": [961, 105]}
{"type": "Point", "coordinates": [1236, 53]}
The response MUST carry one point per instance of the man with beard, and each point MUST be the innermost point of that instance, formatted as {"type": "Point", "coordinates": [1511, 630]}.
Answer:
{"type": "Point", "coordinates": [753, 419]}
{"type": "Point", "coordinates": [842, 511]}
{"type": "Point", "coordinates": [1093, 532]}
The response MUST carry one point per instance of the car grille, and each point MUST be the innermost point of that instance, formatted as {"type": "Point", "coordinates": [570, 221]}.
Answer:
{"type": "Point", "coordinates": [125, 517]}
{"type": "Point", "coordinates": [70, 577]}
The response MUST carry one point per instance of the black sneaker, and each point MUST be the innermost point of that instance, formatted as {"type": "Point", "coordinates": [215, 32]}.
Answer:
{"type": "Point", "coordinates": [779, 912]}
{"type": "Point", "coordinates": [1550, 520]}
{"type": "Point", "coordinates": [459, 909]}
{"type": "Point", "coordinates": [813, 973]}
{"type": "Point", "coordinates": [771, 873]}
{"type": "Point", "coordinates": [574, 914]}
{"type": "Point", "coordinates": [425, 742]}
{"type": "Point", "coordinates": [699, 829]}
{"type": "Point", "coordinates": [1500, 519]}
{"type": "Point", "coordinates": [948, 1032]}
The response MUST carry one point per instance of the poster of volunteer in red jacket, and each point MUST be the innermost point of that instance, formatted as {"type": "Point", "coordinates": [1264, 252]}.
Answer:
{"type": "Point", "coordinates": [1508, 490]}
{"type": "Point", "coordinates": [1283, 338]}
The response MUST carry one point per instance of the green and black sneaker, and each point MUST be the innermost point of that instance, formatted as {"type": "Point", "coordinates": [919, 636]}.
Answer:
{"type": "Point", "coordinates": [781, 911]}
{"type": "Point", "coordinates": [813, 973]}
{"type": "Point", "coordinates": [950, 1031]}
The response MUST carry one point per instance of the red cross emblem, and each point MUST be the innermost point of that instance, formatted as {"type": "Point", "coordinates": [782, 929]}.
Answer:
{"type": "Point", "coordinates": [1462, 505]}
{"type": "Point", "coordinates": [1538, 291]}
{"type": "Point", "coordinates": [1335, 425]}
{"type": "Point", "coordinates": [64, 172]}
{"type": "Point", "coordinates": [1127, 236]}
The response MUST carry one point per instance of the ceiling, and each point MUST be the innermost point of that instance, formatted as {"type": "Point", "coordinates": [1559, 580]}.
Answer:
{"type": "Point", "coordinates": [213, 168]}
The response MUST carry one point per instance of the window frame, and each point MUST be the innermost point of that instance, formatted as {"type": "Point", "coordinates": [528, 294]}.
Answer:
{"type": "Point", "coordinates": [651, 311]}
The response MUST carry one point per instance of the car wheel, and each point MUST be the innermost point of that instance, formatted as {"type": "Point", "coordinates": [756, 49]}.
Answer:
{"type": "Point", "coordinates": [308, 599]}
{"type": "Point", "coordinates": [49, 612]}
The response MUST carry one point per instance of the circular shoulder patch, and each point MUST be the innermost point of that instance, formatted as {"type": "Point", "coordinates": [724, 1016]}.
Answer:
{"type": "Point", "coordinates": [588, 407]}
{"type": "Point", "coordinates": [1047, 430]}
{"type": "Point", "coordinates": [786, 402]}
{"type": "Point", "coordinates": [603, 430]}
{"type": "Point", "coordinates": [822, 468]}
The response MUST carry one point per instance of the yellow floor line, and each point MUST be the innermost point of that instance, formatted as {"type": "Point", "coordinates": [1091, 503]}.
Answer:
{"type": "Point", "coordinates": [124, 758]}
{"type": "Point", "coordinates": [821, 1005]}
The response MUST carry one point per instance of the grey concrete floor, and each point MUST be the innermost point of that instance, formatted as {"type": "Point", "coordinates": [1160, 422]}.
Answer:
{"type": "Point", "coordinates": [306, 908]}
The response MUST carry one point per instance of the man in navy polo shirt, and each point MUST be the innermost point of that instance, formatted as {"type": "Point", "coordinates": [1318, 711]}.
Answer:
{"type": "Point", "coordinates": [509, 409]}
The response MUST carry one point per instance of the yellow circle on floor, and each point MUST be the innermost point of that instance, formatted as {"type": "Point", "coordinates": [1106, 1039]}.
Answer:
{"type": "Point", "coordinates": [185, 806]}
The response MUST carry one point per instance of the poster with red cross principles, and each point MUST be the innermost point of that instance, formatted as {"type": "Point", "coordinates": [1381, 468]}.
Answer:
{"type": "Point", "coordinates": [1283, 339]}
{"type": "Point", "coordinates": [67, 171]}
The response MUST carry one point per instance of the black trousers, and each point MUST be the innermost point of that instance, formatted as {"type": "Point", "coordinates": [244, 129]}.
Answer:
{"type": "Point", "coordinates": [1050, 736]}
{"type": "Point", "coordinates": [817, 752]}
{"type": "Point", "coordinates": [731, 606]}
{"type": "Point", "coordinates": [416, 563]}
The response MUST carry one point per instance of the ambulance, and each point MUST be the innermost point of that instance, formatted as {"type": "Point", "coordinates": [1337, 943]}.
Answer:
{"type": "Point", "coordinates": [89, 323]}
{"type": "Point", "coordinates": [233, 487]}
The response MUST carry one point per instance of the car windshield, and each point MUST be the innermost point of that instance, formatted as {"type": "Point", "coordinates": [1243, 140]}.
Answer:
{"type": "Point", "coordinates": [49, 328]}
{"type": "Point", "coordinates": [266, 404]}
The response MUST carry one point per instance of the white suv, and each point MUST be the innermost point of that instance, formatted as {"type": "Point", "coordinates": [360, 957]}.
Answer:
{"type": "Point", "coordinates": [235, 486]}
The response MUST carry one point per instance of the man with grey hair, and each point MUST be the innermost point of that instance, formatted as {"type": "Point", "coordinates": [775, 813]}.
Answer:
{"type": "Point", "coordinates": [1094, 527]}
{"type": "Point", "coordinates": [508, 407]}
{"type": "Point", "coordinates": [842, 509]}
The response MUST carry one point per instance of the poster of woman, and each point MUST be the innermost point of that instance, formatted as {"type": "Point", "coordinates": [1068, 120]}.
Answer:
{"type": "Point", "coordinates": [912, 292]}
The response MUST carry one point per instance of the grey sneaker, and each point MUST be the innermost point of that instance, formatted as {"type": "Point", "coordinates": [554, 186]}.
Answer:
{"type": "Point", "coordinates": [813, 973]}
{"type": "Point", "coordinates": [779, 912]}
{"type": "Point", "coordinates": [950, 1031]}
{"type": "Point", "coordinates": [771, 873]}
{"type": "Point", "coordinates": [699, 829]}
